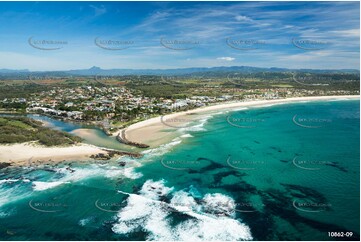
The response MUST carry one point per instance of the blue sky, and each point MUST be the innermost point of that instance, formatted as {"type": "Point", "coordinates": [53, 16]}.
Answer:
{"type": "Point", "coordinates": [148, 34]}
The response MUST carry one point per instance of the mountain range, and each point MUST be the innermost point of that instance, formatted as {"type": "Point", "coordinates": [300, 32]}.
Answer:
{"type": "Point", "coordinates": [179, 71]}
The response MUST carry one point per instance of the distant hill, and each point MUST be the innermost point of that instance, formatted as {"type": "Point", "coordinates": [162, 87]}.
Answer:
{"type": "Point", "coordinates": [13, 71]}
{"type": "Point", "coordinates": [183, 71]}
{"type": "Point", "coordinates": [179, 71]}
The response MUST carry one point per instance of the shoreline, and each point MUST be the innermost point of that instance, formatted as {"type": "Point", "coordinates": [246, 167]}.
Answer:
{"type": "Point", "coordinates": [153, 132]}
{"type": "Point", "coordinates": [158, 131]}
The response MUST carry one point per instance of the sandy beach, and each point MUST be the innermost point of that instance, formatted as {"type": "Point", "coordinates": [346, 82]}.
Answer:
{"type": "Point", "coordinates": [160, 130]}
{"type": "Point", "coordinates": [25, 153]}
{"type": "Point", "coordinates": [154, 132]}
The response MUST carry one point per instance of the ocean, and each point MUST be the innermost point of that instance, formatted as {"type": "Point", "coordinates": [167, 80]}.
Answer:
{"type": "Point", "coordinates": [282, 172]}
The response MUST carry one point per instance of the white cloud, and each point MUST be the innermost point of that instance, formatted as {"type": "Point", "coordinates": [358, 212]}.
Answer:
{"type": "Point", "coordinates": [347, 33]}
{"type": "Point", "coordinates": [226, 58]}
{"type": "Point", "coordinates": [242, 18]}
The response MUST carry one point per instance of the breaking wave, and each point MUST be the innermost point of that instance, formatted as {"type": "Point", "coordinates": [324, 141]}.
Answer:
{"type": "Point", "coordinates": [210, 218]}
{"type": "Point", "coordinates": [69, 175]}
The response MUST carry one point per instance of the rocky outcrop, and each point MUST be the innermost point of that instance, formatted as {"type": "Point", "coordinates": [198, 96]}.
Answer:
{"type": "Point", "coordinates": [122, 139]}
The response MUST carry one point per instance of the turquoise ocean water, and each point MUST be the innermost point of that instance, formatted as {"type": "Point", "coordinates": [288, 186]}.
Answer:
{"type": "Point", "coordinates": [283, 172]}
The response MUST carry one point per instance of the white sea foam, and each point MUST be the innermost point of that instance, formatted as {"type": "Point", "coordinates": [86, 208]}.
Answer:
{"type": "Point", "coordinates": [186, 136]}
{"type": "Point", "coordinates": [61, 170]}
{"type": "Point", "coordinates": [161, 150]}
{"type": "Point", "coordinates": [238, 109]}
{"type": "Point", "coordinates": [154, 189]}
{"type": "Point", "coordinates": [8, 181]}
{"type": "Point", "coordinates": [182, 201]}
{"type": "Point", "coordinates": [194, 192]}
{"type": "Point", "coordinates": [113, 171]}
{"type": "Point", "coordinates": [147, 213]}
{"type": "Point", "coordinates": [85, 221]}
{"type": "Point", "coordinates": [4, 214]}
{"type": "Point", "coordinates": [205, 228]}
{"type": "Point", "coordinates": [131, 173]}
{"type": "Point", "coordinates": [144, 213]}
{"type": "Point", "coordinates": [41, 186]}
{"type": "Point", "coordinates": [14, 193]}
{"type": "Point", "coordinates": [220, 112]}
{"type": "Point", "coordinates": [269, 105]}
{"type": "Point", "coordinates": [340, 99]}
{"type": "Point", "coordinates": [219, 204]}
{"type": "Point", "coordinates": [94, 170]}
{"type": "Point", "coordinates": [7, 213]}
{"type": "Point", "coordinates": [199, 126]}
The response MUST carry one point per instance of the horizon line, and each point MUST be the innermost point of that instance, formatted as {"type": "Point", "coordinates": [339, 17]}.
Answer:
{"type": "Point", "coordinates": [178, 68]}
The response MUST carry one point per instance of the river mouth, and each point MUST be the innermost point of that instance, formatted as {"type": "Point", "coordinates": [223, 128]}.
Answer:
{"type": "Point", "coordinates": [89, 133]}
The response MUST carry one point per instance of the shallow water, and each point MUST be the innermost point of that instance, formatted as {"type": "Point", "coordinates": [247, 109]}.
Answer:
{"type": "Point", "coordinates": [285, 172]}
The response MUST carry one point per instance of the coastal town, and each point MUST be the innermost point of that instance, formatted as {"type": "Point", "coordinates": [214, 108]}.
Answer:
{"type": "Point", "coordinates": [115, 107]}
{"type": "Point", "coordinates": [132, 112]}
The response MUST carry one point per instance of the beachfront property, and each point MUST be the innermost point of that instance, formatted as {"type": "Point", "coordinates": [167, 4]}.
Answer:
{"type": "Point", "coordinates": [120, 105]}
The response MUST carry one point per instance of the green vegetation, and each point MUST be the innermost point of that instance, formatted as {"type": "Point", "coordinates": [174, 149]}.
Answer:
{"type": "Point", "coordinates": [215, 84]}
{"type": "Point", "coordinates": [21, 129]}
{"type": "Point", "coordinates": [26, 88]}
{"type": "Point", "coordinates": [118, 101]}
{"type": "Point", "coordinates": [182, 86]}
{"type": "Point", "coordinates": [159, 90]}
{"type": "Point", "coordinates": [12, 89]}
